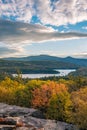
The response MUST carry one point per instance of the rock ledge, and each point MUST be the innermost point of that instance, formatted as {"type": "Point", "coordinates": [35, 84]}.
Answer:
{"type": "Point", "coordinates": [19, 118]}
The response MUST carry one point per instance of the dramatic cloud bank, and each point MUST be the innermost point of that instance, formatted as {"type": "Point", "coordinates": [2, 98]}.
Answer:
{"type": "Point", "coordinates": [53, 12]}
{"type": "Point", "coordinates": [15, 33]}
{"type": "Point", "coordinates": [14, 36]}
{"type": "Point", "coordinates": [24, 22]}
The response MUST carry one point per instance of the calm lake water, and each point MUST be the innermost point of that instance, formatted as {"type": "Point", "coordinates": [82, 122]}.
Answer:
{"type": "Point", "coordinates": [63, 72]}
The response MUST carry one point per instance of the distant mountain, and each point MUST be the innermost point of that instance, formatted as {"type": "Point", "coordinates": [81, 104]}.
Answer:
{"type": "Point", "coordinates": [34, 58]}
{"type": "Point", "coordinates": [80, 62]}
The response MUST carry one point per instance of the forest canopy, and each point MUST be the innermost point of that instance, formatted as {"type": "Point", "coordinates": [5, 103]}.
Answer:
{"type": "Point", "coordinates": [60, 99]}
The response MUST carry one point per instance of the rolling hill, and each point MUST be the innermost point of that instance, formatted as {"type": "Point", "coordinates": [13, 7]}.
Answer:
{"type": "Point", "coordinates": [75, 61]}
{"type": "Point", "coordinates": [12, 66]}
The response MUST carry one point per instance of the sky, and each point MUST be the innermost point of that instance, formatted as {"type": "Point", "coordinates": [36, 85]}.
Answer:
{"type": "Point", "coordinates": [50, 27]}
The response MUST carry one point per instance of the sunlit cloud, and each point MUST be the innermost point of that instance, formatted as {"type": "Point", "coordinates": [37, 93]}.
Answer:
{"type": "Point", "coordinates": [5, 52]}
{"type": "Point", "coordinates": [81, 55]}
{"type": "Point", "coordinates": [14, 36]}
{"type": "Point", "coordinates": [53, 12]}
{"type": "Point", "coordinates": [15, 33]}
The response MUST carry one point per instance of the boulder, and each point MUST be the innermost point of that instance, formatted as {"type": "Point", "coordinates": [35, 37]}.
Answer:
{"type": "Point", "coordinates": [20, 118]}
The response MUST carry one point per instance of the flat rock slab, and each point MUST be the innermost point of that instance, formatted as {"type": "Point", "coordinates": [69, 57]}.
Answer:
{"type": "Point", "coordinates": [19, 118]}
{"type": "Point", "coordinates": [7, 127]}
{"type": "Point", "coordinates": [8, 110]}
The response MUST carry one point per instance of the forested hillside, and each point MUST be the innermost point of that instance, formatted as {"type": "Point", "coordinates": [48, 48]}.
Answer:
{"type": "Point", "coordinates": [76, 61]}
{"type": "Point", "coordinates": [80, 72]}
{"type": "Point", "coordinates": [34, 66]}
{"type": "Point", "coordinates": [63, 99]}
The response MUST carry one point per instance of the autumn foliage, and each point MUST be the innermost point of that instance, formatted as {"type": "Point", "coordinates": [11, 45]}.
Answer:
{"type": "Point", "coordinates": [79, 99]}
{"type": "Point", "coordinates": [63, 100]}
{"type": "Point", "coordinates": [42, 95]}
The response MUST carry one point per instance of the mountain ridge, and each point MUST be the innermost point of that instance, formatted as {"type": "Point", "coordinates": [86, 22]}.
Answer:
{"type": "Point", "coordinates": [69, 59]}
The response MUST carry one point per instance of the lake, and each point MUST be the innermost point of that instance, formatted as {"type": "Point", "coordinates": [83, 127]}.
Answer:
{"type": "Point", "coordinates": [63, 72]}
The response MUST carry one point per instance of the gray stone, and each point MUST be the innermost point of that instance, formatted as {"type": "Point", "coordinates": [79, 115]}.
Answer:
{"type": "Point", "coordinates": [7, 127]}
{"type": "Point", "coordinates": [22, 119]}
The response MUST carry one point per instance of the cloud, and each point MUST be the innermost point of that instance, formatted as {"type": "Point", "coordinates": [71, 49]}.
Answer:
{"type": "Point", "coordinates": [14, 36]}
{"type": "Point", "coordinates": [15, 33]}
{"type": "Point", "coordinates": [81, 55]}
{"type": "Point", "coordinates": [62, 12]}
{"type": "Point", "coordinates": [4, 52]}
{"type": "Point", "coordinates": [16, 9]}
{"type": "Point", "coordinates": [8, 50]}
{"type": "Point", "coordinates": [53, 12]}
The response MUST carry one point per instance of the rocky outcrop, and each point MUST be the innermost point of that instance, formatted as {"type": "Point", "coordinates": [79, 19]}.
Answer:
{"type": "Point", "coordinates": [19, 118]}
